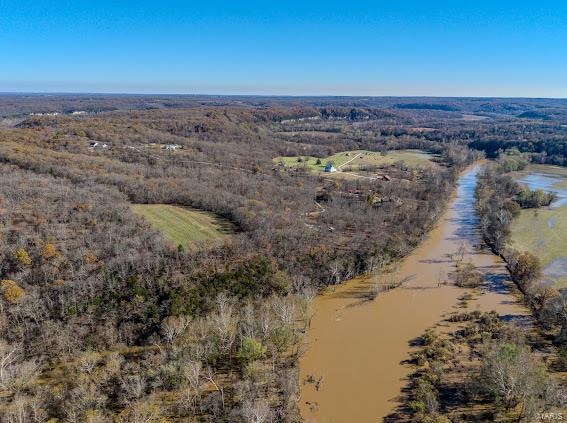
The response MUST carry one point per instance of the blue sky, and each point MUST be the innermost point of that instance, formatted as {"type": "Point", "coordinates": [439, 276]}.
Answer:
{"type": "Point", "coordinates": [443, 48]}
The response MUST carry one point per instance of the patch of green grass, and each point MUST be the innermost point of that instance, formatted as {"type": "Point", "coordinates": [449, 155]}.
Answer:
{"type": "Point", "coordinates": [412, 158]}
{"type": "Point", "coordinates": [311, 162]}
{"type": "Point", "coordinates": [183, 225]}
{"type": "Point", "coordinates": [543, 232]}
{"type": "Point", "coordinates": [357, 158]}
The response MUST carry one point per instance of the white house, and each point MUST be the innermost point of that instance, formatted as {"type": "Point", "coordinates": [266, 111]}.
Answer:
{"type": "Point", "coordinates": [172, 147]}
{"type": "Point", "coordinates": [96, 144]}
{"type": "Point", "coordinates": [330, 168]}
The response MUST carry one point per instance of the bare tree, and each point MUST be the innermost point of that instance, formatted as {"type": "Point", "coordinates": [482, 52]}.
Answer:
{"type": "Point", "coordinates": [306, 294]}
{"type": "Point", "coordinates": [210, 375]}
{"type": "Point", "coordinates": [133, 386]}
{"type": "Point", "coordinates": [284, 308]}
{"type": "Point", "coordinates": [335, 272]}
{"type": "Point", "coordinates": [174, 326]}
{"type": "Point", "coordinates": [192, 373]}
{"type": "Point", "coordinates": [225, 323]}
{"type": "Point", "coordinates": [140, 412]}
{"type": "Point", "coordinates": [460, 255]}
{"type": "Point", "coordinates": [256, 410]}
{"type": "Point", "coordinates": [9, 355]}
{"type": "Point", "coordinates": [18, 411]}
{"type": "Point", "coordinates": [87, 362]}
{"type": "Point", "coordinates": [248, 321]}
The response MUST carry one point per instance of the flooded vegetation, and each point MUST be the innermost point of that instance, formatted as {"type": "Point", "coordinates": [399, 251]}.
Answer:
{"type": "Point", "coordinates": [548, 178]}
{"type": "Point", "coordinates": [544, 231]}
{"type": "Point", "coordinates": [354, 367]}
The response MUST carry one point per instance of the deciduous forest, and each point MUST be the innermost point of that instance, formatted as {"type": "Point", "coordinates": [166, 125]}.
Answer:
{"type": "Point", "coordinates": [102, 318]}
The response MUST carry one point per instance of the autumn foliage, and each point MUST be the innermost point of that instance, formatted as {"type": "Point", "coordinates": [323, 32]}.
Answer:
{"type": "Point", "coordinates": [11, 291]}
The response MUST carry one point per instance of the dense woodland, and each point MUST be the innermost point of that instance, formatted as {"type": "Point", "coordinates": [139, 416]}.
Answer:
{"type": "Point", "coordinates": [103, 320]}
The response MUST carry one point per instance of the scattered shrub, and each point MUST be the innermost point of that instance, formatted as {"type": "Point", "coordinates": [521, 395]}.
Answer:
{"type": "Point", "coordinates": [251, 350]}
{"type": "Point", "coordinates": [22, 257]}
{"type": "Point", "coordinates": [12, 291]}
{"type": "Point", "coordinates": [467, 276]}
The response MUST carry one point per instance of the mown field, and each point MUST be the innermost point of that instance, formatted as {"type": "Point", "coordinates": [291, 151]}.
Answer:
{"type": "Point", "coordinates": [357, 158]}
{"type": "Point", "coordinates": [184, 226]}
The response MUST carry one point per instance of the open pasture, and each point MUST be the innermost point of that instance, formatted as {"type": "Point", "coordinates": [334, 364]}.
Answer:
{"type": "Point", "coordinates": [357, 159]}
{"type": "Point", "coordinates": [183, 225]}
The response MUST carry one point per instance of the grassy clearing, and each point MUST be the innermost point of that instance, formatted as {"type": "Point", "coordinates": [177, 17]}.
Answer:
{"type": "Point", "coordinates": [543, 232]}
{"type": "Point", "coordinates": [184, 226]}
{"type": "Point", "coordinates": [412, 158]}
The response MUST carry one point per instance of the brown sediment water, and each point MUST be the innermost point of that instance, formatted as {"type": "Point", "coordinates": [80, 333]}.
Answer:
{"type": "Point", "coordinates": [356, 347]}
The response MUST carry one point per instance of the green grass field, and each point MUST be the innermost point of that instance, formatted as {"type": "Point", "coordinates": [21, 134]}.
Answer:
{"type": "Point", "coordinates": [357, 158]}
{"type": "Point", "coordinates": [184, 226]}
{"type": "Point", "coordinates": [543, 232]}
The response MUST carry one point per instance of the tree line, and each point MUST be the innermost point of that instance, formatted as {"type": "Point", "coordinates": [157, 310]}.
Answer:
{"type": "Point", "coordinates": [499, 200]}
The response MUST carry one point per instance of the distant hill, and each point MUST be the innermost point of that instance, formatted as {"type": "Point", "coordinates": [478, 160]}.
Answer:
{"type": "Point", "coordinates": [23, 105]}
{"type": "Point", "coordinates": [532, 114]}
{"type": "Point", "coordinates": [428, 106]}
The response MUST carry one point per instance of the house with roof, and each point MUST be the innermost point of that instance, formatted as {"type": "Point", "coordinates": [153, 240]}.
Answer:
{"type": "Point", "coordinates": [172, 147]}
{"type": "Point", "coordinates": [329, 168]}
{"type": "Point", "coordinates": [96, 144]}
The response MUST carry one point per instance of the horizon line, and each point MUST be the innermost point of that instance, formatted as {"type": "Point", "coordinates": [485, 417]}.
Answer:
{"type": "Point", "coordinates": [117, 93]}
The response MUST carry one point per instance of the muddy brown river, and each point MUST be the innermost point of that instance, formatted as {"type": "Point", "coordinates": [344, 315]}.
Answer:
{"type": "Point", "coordinates": [357, 346]}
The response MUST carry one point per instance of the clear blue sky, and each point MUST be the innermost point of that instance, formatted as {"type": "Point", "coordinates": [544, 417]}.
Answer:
{"type": "Point", "coordinates": [395, 47]}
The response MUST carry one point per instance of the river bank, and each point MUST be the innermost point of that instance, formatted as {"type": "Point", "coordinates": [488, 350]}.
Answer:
{"type": "Point", "coordinates": [353, 369]}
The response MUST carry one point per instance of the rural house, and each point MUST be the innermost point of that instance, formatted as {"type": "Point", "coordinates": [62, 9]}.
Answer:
{"type": "Point", "coordinates": [172, 147]}
{"type": "Point", "coordinates": [330, 168]}
{"type": "Point", "coordinates": [95, 144]}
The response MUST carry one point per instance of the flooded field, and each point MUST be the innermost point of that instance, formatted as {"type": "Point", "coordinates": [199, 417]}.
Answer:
{"type": "Point", "coordinates": [352, 370]}
{"type": "Point", "coordinates": [544, 231]}
{"type": "Point", "coordinates": [547, 178]}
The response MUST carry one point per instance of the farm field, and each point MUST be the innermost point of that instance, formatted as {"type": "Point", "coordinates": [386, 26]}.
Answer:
{"type": "Point", "coordinates": [359, 158]}
{"type": "Point", "coordinates": [184, 226]}
{"type": "Point", "coordinates": [544, 231]}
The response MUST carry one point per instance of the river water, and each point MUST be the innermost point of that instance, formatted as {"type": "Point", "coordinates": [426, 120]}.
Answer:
{"type": "Point", "coordinates": [357, 346]}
